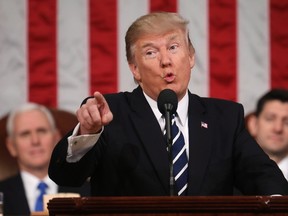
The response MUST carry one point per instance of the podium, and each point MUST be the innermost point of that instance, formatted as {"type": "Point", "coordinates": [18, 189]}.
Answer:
{"type": "Point", "coordinates": [198, 205]}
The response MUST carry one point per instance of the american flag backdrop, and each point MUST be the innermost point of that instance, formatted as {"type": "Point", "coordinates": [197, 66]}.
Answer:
{"type": "Point", "coordinates": [57, 52]}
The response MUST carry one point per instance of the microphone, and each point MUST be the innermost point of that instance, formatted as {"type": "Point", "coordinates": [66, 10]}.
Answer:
{"type": "Point", "coordinates": [167, 103]}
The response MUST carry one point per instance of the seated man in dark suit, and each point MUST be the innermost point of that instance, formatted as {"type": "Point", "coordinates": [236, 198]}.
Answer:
{"type": "Point", "coordinates": [121, 140]}
{"type": "Point", "coordinates": [32, 135]}
{"type": "Point", "coordinates": [269, 126]}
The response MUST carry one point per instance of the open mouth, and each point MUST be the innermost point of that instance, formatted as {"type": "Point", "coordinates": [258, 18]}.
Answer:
{"type": "Point", "coordinates": [169, 77]}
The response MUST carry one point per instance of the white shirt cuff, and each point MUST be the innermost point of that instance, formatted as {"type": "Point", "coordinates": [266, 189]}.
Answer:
{"type": "Point", "coordinates": [78, 146]}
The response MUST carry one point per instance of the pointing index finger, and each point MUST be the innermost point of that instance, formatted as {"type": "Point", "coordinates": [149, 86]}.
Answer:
{"type": "Point", "coordinates": [101, 103]}
{"type": "Point", "coordinates": [100, 100]}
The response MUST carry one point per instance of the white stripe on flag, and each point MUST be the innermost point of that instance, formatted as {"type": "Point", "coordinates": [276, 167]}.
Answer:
{"type": "Point", "coordinates": [197, 13]}
{"type": "Point", "coordinates": [13, 54]}
{"type": "Point", "coordinates": [253, 51]}
{"type": "Point", "coordinates": [128, 11]}
{"type": "Point", "coordinates": [73, 53]}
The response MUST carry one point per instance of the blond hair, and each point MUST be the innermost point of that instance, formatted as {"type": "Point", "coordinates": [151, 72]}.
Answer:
{"type": "Point", "coordinates": [154, 23]}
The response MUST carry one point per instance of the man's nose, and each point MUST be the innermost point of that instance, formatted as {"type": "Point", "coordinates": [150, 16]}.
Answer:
{"type": "Point", "coordinates": [278, 125]}
{"type": "Point", "coordinates": [35, 139]}
{"type": "Point", "coordinates": [165, 58]}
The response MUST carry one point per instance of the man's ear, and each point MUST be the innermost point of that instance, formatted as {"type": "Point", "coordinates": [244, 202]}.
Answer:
{"type": "Point", "coordinates": [252, 125]}
{"type": "Point", "coordinates": [134, 69]}
{"type": "Point", "coordinates": [57, 135]}
{"type": "Point", "coordinates": [192, 59]}
{"type": "Point", "coordinates": [11, 147]}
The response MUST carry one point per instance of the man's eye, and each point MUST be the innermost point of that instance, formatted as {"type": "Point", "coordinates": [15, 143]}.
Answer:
{"type": "Point", "coordinates": [42, 131]}
{"type": "Point", "coordinates": [24, 135]}
{"type": "Point", "coordinates": [269, 118]}
{"type": "Point", "coordinates": [173, 48]}
{"type": "Point", "coordinates": [150, 54]}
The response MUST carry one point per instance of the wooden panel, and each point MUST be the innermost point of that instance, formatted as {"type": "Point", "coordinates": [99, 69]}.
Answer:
{"type": "Point", "coordinates": [226, 205]}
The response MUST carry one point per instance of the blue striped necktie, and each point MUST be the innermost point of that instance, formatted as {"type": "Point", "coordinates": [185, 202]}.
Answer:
{"type": "Point", "coordinates": [180, 160]}
{"type": "Point", "coordinates": [42, 186]}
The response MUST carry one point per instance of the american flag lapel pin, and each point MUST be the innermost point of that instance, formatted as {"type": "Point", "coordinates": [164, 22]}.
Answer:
{"type": "Point", "coordinates": [204, 124]}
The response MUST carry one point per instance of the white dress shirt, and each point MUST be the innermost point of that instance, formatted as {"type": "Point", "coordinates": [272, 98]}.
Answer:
{"type": "Point", "coordinates": [283, 165]}
{"type": "Point", "coordinates": [30, 186]}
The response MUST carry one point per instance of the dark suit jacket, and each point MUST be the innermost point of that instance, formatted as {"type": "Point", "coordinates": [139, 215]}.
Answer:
{"type": "Point", "coordinates": [15, 201]}
{"type": "Point", "coordinates": [130, 158]}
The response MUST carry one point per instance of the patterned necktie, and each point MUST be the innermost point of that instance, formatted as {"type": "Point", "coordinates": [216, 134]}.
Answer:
{"type": "Point", "coordinates": [42, 186]}
{"type": "Point", "coordinates": [180, 160]}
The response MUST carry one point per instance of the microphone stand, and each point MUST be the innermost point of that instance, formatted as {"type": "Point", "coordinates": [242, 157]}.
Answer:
{"type": "Point", "coordinates": [169, 144]}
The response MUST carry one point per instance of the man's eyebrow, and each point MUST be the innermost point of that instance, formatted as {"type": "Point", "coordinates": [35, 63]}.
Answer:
{"type": "Point", "coordinates": [173, 37]}
{"type": "Point", "coordinates": [147, 45]}
{"type": "Point", "coordinates": [170, 38]}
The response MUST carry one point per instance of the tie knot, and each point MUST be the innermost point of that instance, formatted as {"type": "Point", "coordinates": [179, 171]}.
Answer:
{"type": "Point", "coordinates": [42, 186]}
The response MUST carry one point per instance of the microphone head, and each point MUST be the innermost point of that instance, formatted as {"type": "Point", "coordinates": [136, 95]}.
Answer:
{"type": "Point", "coordinates": [167, 101]}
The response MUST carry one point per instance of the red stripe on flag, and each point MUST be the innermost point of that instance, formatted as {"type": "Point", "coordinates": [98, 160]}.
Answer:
{"type": "Point", "coordinates": [279, 43]}
{"type": "Point", "coordinates": [222, 43]}
{"type": "Point", "coordinates": [163, 5]}
{"type": "Point", "coordinates": [42, 52]}
{"type": "Point", "coordinates": [103, 46]}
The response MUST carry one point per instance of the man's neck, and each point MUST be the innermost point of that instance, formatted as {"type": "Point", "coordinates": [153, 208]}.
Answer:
{"type": "Point", "coordinates": [39, 173]}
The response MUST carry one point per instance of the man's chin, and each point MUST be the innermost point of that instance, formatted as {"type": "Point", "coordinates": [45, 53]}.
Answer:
{"type": "Point", "coordinates": [276, 152]}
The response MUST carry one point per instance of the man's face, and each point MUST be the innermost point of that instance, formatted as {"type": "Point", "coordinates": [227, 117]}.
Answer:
{"type": "Point", "coordinates": [33, 140]}
{"type": "Point", "coordinates": [271, 128]}
{"type": "Point", "coordinates": [163, 61]}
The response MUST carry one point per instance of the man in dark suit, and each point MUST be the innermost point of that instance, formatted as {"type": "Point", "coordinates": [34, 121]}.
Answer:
{"type": "Point", "coordinates": [119, 140]}
{"type": "Point", "coordinates": [32, 135]}
{"type": "Point", "coordinates": [269, 126]}
{"type": "Point", "coordinates": [15, 200]}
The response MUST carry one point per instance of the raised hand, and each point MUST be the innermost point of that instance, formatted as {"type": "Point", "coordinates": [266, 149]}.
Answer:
{"type": "Point", "coordinates": [94, 114]}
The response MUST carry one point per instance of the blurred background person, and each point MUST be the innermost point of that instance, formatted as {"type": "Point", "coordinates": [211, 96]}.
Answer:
{"type": "Point", "coordinates": [269, 125]}
{"type": "Point", "coordinates": [32, 135]}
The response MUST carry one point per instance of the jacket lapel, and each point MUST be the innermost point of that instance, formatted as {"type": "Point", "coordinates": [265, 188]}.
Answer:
{"type": "Point", "coordinates": [150, 134]}
{"type": "Point", "coordinates": [199, 143]}
{"type": "Point", "coordinates": [19, 194]}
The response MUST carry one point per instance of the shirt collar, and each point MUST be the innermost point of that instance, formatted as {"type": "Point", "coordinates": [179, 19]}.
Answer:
{"type": "Point", "coordinates": [31, 180]}
{"type": "Point", "coordinates": [182, 109]}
